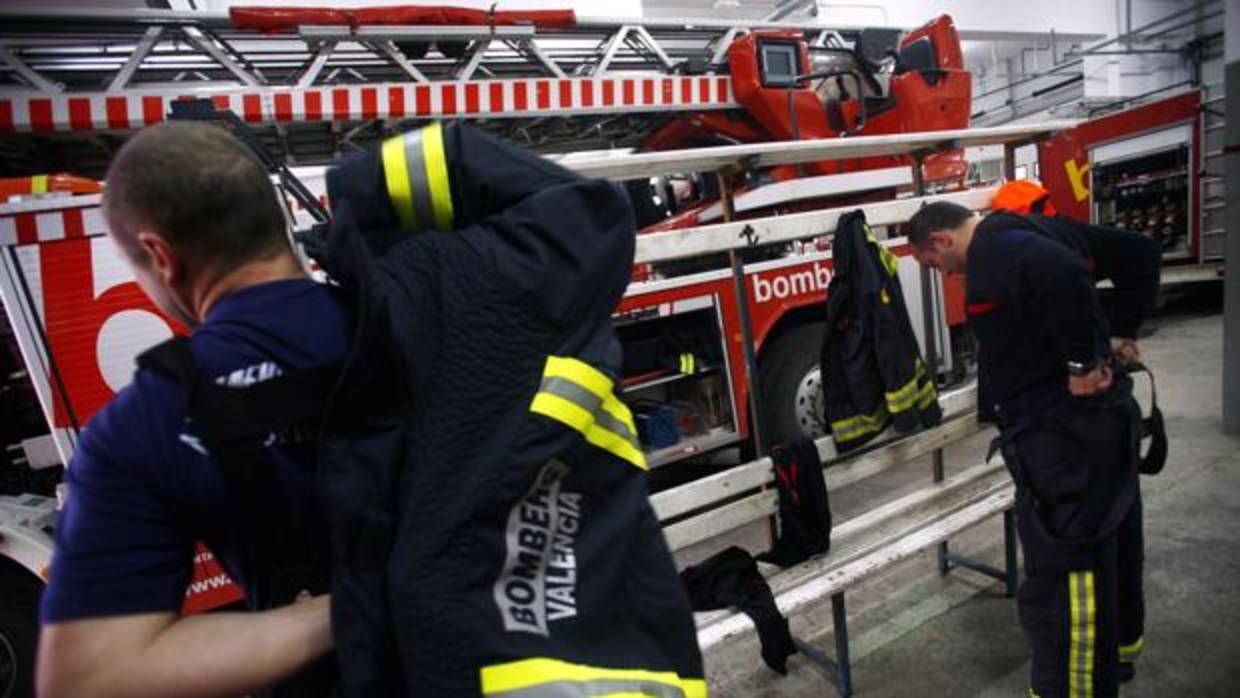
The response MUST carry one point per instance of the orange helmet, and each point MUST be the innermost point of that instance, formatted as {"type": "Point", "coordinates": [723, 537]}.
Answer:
{"type": "Point", "coordinates": [1023, 196]}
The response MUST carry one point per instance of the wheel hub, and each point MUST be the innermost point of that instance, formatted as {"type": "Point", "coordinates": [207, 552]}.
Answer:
{"type": "Point", "coordinates": [809, 410]}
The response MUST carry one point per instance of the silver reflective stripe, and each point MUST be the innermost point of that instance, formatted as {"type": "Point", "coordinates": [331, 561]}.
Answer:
{"type": "Point", "coordinates": [588, 401]}
{"type": "Point", "coordinates": [589, 689]}
{"type": "Point", "coordinates": [567, 389]}
{"type": "Point", "coordinates": [610, 423]}
{"type": "Point", "coordinates": [419, 186]}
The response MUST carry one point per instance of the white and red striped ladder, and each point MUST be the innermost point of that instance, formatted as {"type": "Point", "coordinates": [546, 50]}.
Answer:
{"type": "Point", "coordinates": [84, 69]}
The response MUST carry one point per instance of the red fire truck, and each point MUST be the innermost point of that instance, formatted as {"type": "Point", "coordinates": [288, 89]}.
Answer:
{"type": "Point", "coordinates": [315, 83]}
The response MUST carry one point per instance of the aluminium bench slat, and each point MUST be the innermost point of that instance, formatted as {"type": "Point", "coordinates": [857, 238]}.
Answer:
{"type": "Point", "coordinates": [876, 528]}
{"type": "Point", "coordinates": [754, 474]}
{"type": "Point", "coordinates": [717, 521]}
{"type": "Point", "coordinates": [841, 578]}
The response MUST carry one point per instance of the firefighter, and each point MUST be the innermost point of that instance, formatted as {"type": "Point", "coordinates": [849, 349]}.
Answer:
{"type": "Point", "coordinates": [1069, 427]}
{"type": "Point", "coordinates": [196, 218]}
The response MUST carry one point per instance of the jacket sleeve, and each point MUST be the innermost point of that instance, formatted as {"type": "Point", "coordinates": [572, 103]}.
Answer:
{"type": "Point", "coordinates": [1132, 262]}
{"type": "Point", "coordinates": [570, 247]}
{"type": "Point", "coordinates": [566, 240]}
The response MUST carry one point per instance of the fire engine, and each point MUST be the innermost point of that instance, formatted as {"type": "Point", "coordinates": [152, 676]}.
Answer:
{"type": "Point", "coordinates": [314, 83]}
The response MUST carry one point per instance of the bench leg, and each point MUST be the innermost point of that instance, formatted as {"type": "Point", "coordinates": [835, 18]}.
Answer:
{"type": "Point", "coordinates": [839, 618]}
{"type": "Point", "coordinates": [1009, 553]}
{"type": "Point", "coordinates": [1008, 575]}
{"type": "Point", "coordinates": [937, 469]}
{"type": "Point", "coordinates": [839, 670]}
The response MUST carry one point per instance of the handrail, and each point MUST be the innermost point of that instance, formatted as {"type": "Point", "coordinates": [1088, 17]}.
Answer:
{"type": "Point", "coordinates": [759, 155]}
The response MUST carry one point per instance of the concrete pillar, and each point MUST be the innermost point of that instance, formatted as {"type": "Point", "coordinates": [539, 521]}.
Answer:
{"type": "Point", "coordinates": [1231, 188]}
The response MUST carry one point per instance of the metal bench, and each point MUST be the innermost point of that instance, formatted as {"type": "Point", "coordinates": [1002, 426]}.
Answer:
{"type": "Point", "coordinates": [861, 546]}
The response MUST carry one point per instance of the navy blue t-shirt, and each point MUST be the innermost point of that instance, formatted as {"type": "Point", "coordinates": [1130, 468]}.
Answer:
{"type": "Point", "coordinates": [142, 489]}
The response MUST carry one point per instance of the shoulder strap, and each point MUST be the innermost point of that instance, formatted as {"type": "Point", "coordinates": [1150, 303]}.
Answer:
{"type": "Point", "coordinates": [174, 359]}
{"type": "Point", "coordinates": [1152, 427]}
{"type": "Point", "coordinates": [234, 425]}
{"type": "Point", "coordinates": [227, 414]}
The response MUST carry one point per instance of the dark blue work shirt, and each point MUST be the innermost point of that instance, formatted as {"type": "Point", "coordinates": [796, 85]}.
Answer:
{"type": "Point", "coordinates": [141, 488]}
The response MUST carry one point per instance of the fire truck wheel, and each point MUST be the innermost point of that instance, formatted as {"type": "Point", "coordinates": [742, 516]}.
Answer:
{"type": "Point", "coordinates": [792, 385]}
{"type": "Point", "coordinates": [19, 632]}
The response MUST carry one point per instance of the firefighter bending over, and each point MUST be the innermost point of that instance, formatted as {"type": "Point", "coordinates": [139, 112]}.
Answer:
{"type": "Point", "coordinates": [1069, 426]}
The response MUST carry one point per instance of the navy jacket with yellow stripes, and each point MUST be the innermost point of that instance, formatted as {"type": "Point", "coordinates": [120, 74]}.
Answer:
{"type": "Point", "coordinates": [873, 373]}
{"type": "Point", "coordinates": [492, 533]}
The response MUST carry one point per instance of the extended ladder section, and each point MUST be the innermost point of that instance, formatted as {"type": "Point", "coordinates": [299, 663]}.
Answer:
{"type": "Point", "coordinates": [85, 69]}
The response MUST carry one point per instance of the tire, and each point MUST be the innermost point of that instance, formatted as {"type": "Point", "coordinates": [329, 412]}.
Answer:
{"type": "Point", "coordinates": [791, 386]}
{"type": "Point", "coordinates": [19, 632]}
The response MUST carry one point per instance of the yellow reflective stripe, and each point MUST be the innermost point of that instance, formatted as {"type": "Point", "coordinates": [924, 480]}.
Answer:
{"type": "Point", "coordinates": [623, 445]}
{"type": "Point", "coordinates": [563, 411]}
{"type": "Point", "coordinates": [396, 176]}
{"type": "Point", "coordinates": [890, 262]}
{"type": "Point", "coordinates": [1129, 653]}
{"type": "Point", "coordinates": [38, 184]}
{"type": "Point", "coordinates": [926, 395]}
{"type": "Point", "coordinates": [616, 445]}
{"type": "Point", "coordinates": [533, 673]}
{"type": "Point", "coordinates": [858, 426]}
{"type": "Point", "coordinates": [1074, 633]}
{"type": "Point", "coordinates": [688, 363]}
{"type": "Point", "coordinates": [1081, 652]}
{"type": "Point", "coordinates": [580, 396]}
{"type": "Point", "coordinates": [902, 399]}
{"type": "Point", "coordinates": [619, 412]}
{"type": "Point", "coordinates": [437, 175]}
{"type": "Point", "coordinates": [1091, 612]}
{"type": "Point", "coordinates": [579, 372]}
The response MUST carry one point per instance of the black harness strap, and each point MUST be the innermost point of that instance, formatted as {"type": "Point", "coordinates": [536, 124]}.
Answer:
{"type": "Point", "coordinates": [237, 425]}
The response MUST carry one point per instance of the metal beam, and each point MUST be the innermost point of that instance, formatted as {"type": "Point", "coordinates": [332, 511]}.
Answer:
{"type": "Point", "coordinates": [721, 46]}
{"type": "Point", "coordinates": [476, 54]}
{"type": "Point", "coordinates": [793, 152]}
{"type": "Point", "coordinates": [27, 72]}
{"type": "Point", "coordinates": [208, 46]}
{"type": "Point", "coordinates": [783, 8]}
{"type": "Point", "coordinates": [145, 44]}
{"type": "Point", "coordinates": [393, 54]}
{"type": "Point", "coordinates": [532, 47]}
{"type": "Point", "coordinates": [724, 237]}
{"type": "Point", "coordinates": [653, 45]}
{"type": "Point", "coordinates": [321, 55]}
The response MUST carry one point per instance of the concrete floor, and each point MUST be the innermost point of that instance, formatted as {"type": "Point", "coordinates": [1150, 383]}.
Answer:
{"type": "Point", "coordinates": [915, 633]}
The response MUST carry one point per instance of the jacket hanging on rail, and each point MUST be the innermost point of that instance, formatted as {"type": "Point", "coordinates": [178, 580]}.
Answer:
{"type": "Point", "coordinates": [873, 374]}
{"type": "Point", "coordinates": [492, 533]}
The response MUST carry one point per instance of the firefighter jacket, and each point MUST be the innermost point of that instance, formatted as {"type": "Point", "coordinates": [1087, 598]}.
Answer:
{"type": "Point", "coordinates": [873, 374]}
{"type": "Point", "coordinates": [491, 529]}
{"type": "Point", "coordinates": [1031, 301]}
